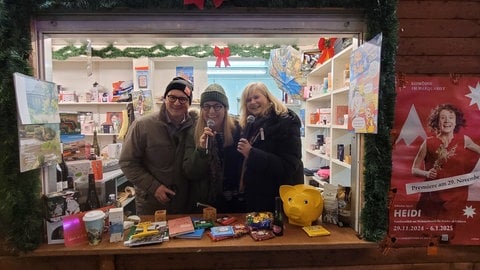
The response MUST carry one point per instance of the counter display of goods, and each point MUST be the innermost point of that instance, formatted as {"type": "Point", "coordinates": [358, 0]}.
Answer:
{"type": "Point", "coordinates": [237, 232]}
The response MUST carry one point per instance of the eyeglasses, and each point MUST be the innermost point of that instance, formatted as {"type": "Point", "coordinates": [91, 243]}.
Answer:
{"type": "Point", "coordinates": [173, 99]}
{"type": "Point", "coordinates": [216, 107]}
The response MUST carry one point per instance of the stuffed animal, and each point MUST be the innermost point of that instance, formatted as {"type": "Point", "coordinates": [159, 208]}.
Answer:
{"type": "Point", "coordinates": [302, 204]}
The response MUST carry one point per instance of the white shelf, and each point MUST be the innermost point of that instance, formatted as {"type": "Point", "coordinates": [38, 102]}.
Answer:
{"type": "Point", "coordinates": [93, 59]}
{"type": "Point", "coordinates": [344, 127]}
{"type": "Point", "coordinates": [112, 174]}
{"type": "Point", "coordinates": [320, 97]}
{"type": "Point", "coordinates": [93, 103]}
{"type": "Point", "coordinates": [334, 134]}
{"type": "Point", "coordinates": [317, 126]}
{"type": "Point", "coordinates": [318, 154]}
{"type": "Point", "coordinates": [341, 90]}
{"type": "Point", "coordinates": [341, 163]}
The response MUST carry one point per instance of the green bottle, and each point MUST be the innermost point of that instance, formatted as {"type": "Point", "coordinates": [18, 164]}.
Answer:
{"type": "Point", "coordinates": [278, 218]}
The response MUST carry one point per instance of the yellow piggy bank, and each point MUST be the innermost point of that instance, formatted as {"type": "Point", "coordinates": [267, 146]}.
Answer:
{"type": "Point", "coordinates": [302, 204]}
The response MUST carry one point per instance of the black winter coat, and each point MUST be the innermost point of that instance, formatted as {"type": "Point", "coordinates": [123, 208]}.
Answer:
{"type": "Point", "coordinates": [274, 160]}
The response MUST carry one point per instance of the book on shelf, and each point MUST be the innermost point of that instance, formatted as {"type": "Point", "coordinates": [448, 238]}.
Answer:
{"type": "Point", "coordinates": [179, 226]}
{"type": "Point", "coordinates": [113, 122]}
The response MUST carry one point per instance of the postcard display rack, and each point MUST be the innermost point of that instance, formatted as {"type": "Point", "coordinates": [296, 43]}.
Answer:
{"type": "Point", "coordinates": [328, 141]}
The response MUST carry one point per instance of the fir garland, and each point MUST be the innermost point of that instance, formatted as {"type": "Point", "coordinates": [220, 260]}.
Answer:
{"type": "Point", "coordinates": [20, 205]}
{"type": "Point", "coordinates": [378, 147]}
{"type": "Point", "coordinates": [158, 51]}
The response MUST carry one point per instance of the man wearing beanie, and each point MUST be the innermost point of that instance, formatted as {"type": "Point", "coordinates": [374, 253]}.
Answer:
{"type": "Point", "coordinates": [215, 165]}
{"type": "Point", "coordinates": [153, 152]}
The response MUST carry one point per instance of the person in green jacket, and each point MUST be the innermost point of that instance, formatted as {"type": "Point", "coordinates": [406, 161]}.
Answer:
{"type": "Point", "coordinates": [215, 164]}
{"type": "Point", "coordinates": [153, 152]}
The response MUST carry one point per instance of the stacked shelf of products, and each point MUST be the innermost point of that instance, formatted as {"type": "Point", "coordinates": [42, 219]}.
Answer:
{"type": "Point", "coordinates": [90, 99]}
{"type": "Point", "coordinates": [329, 144]}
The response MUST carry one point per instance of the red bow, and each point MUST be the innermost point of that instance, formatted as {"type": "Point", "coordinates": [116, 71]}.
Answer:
{"type": "Point", "coordinates": [327, 49]}
{"type": "Point", "coordinates": [201, 3]}
{"type": "Point", "coordinates": [221, 56]}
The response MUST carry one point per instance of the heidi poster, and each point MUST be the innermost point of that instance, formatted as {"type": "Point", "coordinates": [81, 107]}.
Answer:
{"type": "Point", "coordinates": [436, 168]}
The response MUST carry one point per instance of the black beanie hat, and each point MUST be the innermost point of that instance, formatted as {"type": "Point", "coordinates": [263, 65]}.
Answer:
{"type": "Point", "coordinates": [214, 92]}
{"type": "Point", "coordinates": [179, 83]}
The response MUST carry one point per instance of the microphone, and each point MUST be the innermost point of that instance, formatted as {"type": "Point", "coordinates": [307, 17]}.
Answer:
{"type": "Point", "coordinates": [210, 124]}
{"type": "Point", "coordinates": [248, 126]}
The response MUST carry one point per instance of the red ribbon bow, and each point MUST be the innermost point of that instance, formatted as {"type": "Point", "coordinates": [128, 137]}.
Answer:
{"type": "Point", "coordinates": [327, 49]}
{"type": "Point", "coordinates": [201, 3]}
{"type": "Point", "coordinates": [221, 56]}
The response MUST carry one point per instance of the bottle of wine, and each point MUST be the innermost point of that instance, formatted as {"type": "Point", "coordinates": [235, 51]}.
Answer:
{"type": "Point", "coordinates": [92, 198]}
{"type": "Point", "coordinates": [278, 218]}
{"type": "Point", "coordinates": [95, 144]}
{"type": "Point", "coordinates": [70, 183]}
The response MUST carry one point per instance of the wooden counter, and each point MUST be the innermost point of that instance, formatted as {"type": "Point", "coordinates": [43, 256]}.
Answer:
{"type": "Point", "coordinates": [294, 250]}
{"type": "Point", "coordinates": [294, 238]}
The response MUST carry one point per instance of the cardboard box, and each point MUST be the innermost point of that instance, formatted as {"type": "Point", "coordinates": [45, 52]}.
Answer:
{"type": "Point", "coordinates": [55, 232]}
{"type": "Point", "coordinates": [97, 169]}
{"type": "Point", "coordinates": [341, 110]}
{"type": "Point", "coordinates": [325, 116]}
{"type": "Point", "coordinates": [74, 231]}
{"type": "Point", "coordinates": [59, 204]}
{"type": "Point", "coordinates": [68, 96]}
{"type": "Point", "coordinates": [69, 123]}
{"type": "Point", "coordinates": [115, 217]}
{"type": "Point", "coordinates": [75, 150]}
{"type": "Point", "coordinates": [79, 168]}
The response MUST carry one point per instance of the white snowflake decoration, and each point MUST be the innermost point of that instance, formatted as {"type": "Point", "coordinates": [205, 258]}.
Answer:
{"type": "Point", "coordinates": [469, 211]}
{"type": "Point", "coordinates": [474, 95]}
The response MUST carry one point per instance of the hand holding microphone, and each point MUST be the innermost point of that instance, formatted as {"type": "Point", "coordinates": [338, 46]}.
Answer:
{"type": "Point", "coordinates": [210, 124]}
{"type": "Point", "coordinates": [248, 126]}
{"type": "Point", "coordinates": [244, 145]}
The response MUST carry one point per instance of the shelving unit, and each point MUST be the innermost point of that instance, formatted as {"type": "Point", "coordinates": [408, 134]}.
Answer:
{"type": "Point", "coordinates": [333, 125]}
{"type": "Point", "coordinates": [78, 75]}
{"type": "Point", "coordinates": [99, 111]}
{"type": "Point", "coordinates": [74, 74]}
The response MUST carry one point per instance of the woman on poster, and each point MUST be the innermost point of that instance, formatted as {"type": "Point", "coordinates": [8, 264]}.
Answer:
{"type": "Point", "coordinates": [442, 156]}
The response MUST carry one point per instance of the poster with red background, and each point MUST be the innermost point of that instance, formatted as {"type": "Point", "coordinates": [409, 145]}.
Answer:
{"type": "Point", "coordinates": [436, 168]}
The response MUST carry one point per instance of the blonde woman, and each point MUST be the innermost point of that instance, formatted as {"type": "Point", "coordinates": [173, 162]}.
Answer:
{"type": "Point", "coordinates": [270, 145]}
{"type": "Point", "coordinates": [214, 166]}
